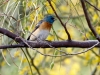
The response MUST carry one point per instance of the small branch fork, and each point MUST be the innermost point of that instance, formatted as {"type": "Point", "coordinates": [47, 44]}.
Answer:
{"type": "Point", "coordinates": [69, 38]}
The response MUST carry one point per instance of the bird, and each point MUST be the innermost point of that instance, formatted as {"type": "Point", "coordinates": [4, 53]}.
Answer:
{"type": "Point", "coordinates": [42, 29]}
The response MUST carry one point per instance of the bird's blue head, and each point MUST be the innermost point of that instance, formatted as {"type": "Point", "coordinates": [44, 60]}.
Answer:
{"type": "Point", "coordinates": [49, 18]}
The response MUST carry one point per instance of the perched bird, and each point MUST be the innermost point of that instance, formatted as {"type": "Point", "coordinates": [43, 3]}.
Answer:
{"type": "Point", "coordinates": [42, 29]}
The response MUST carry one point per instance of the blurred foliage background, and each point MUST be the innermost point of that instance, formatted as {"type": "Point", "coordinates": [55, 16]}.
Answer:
{"type": "Point", "coordinates": [21, 16]}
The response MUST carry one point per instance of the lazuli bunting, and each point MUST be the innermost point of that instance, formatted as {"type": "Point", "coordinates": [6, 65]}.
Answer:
{"type": "Point", "coordinates": [42, 29]}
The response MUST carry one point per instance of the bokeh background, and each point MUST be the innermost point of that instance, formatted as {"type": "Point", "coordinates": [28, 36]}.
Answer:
{"type": "Point", "coordinates": [21, 16]}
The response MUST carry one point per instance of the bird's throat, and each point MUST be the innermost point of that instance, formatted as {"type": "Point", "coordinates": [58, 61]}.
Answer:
{"type": "Point", "coordinates": [45, 26]}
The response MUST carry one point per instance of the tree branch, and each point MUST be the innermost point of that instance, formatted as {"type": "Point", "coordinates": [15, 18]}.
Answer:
{"type": "Point", "coordinates": [45, 44]}
{"type": "Point", "coordinates": [92, 5]}
{"type": "Point", "coordinates": [69, 37]}
{"type": "Point", "coordinates": [54, 44]}
{"type": "Point", "coordinates": [88, 20]}
{"type": "Point", "coordinates": [11, 35]}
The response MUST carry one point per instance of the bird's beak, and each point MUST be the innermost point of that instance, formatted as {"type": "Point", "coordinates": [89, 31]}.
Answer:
{"type": "Point", "coordinates": [55, 19]}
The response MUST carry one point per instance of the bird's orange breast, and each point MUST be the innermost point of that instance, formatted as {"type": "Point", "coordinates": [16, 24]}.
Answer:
{"type": "Point", "coordinates": [45, 26]}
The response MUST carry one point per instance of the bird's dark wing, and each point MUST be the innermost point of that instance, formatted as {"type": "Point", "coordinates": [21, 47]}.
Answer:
{"type": "Point", "coordinates": [36, 27]}
{"type": "Point", "coordinates": [38, 24]}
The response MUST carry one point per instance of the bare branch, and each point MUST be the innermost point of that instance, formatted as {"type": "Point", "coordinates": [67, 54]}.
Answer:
{"type": "Point", "coordinates": [92, 5]}
{"type": "Point", "coordinates": [55, 44]}
{"type": "Point", "coordinates": [69, 54]}
{"type": "Point", "coordinates": [88, 20]}
{"type": "Point", "coordinates": [45, 44]}
{"type": "Point", "coordinates": [11, 35]}
{"type": "Point", "coordinates": [69, 38]}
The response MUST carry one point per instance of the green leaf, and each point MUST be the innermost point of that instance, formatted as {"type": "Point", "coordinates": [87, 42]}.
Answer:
{"type": "Point", "coordinates": [52, 64]}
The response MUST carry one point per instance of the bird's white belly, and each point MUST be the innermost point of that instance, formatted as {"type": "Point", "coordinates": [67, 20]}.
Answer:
{"type": "Point", "coordinates": [43, 34]}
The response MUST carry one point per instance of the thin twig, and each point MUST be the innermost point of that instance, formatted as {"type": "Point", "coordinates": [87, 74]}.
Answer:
{"type": "Point", "coordinates": [67, 54]}
{"type": "Point", "coordinates": [12, 59]}
{"type": "Point", "coordinates": [92, 5]}
{"type": "Point", "coordinates": [5, 58]}
{"type": "Point", "coordinates": [32, 59]}
{"type": "Point", "coordinates": [37, 69]}
{"type": "Point", "coordinates": [21, 62]}
{"type": "Point", "coordinates": [95, 70]}
{"type": "Point", "coordinates": [27, 61]}
{"type": "Point", "coordinates": [69, 38]}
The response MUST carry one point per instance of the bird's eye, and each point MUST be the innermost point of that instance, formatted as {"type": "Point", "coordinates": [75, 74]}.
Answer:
{"type": "Point", "coordinates": [52, 18]}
